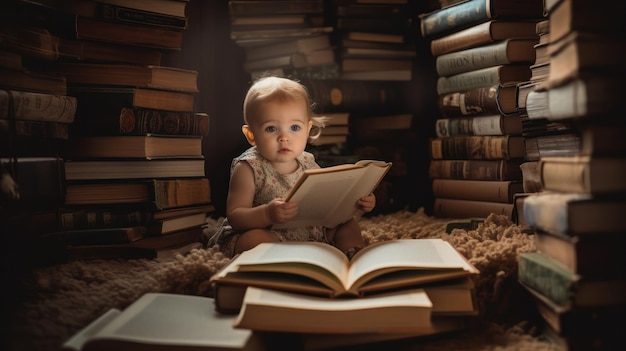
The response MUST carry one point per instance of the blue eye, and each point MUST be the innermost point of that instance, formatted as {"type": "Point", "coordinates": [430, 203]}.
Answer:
{"type": "Point", "coordinates": [295, 128]}
{"type": "Point", "coordinates": [270, 129]}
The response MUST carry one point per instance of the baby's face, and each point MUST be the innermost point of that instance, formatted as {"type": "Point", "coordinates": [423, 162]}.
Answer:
{"type": "Point", "coordinates": [281, 131]}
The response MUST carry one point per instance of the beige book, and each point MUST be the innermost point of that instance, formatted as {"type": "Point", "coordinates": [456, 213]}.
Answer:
{"type": "Point", "coordinates": [327, 196]}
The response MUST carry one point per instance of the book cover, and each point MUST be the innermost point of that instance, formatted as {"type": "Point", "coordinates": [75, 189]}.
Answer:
{"type": "Point", "coordinates": [340, 185]}
{"type": "Point", "coordinates": [495, 99]}
{"type": "Point", "coordinates": [572, 213]}
{"type": "Point", "coordinates": [478, 190]}
{"type": "Point", "coordinates": [466, 13]}
{"type": "Point", "coordinates": [134, 97]}
{"type": "Point", "coordinates": [494, 125]}
{"type": "Point", "coordinates": [33, 106]}
{"type": "Point", "coordinates": [477, 147]}
{"type": "Point", "coordinates": [133, 169]}
{"type": "Point", "coordinates": [583, 174]}
{"type": "Point", "coordinates": [565, 288]}
{"type": "Point", "coordinates": [475, 169]}
{"type": "Point", "coordinates": [484, 77]}
{"type": "Point", "coordinates": [33, 81]}
{"type": "Point", "coordinates": [149, 146]}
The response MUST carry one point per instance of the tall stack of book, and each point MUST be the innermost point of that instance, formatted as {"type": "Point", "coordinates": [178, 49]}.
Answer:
{"type": "Point", "coordinates": [372, 39]}
{"type": "Point", "coordinates": [576, 276]}
{"type": "Point", "coordinates": [477, 149]}
{"type": "Point", "coordinates": [283, 38]}
{"type": "Point", "coordinates": [134, 174]}
{"type": "Point", "coordinates": [35, 116]}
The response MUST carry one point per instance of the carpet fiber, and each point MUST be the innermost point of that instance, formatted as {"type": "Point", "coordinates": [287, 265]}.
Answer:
{"type": "Point", "coordinates": [61, 299]}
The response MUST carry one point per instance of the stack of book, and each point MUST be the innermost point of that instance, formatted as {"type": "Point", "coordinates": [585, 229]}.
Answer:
{"type": "Point", "coordinates": [373, 41]}
{"type": "Point", "coordinates": [283, 38]}
{"type": "Point", "coordinates": [134, 174]}
{"type": "Point", "coordinates": [480, 57]}
{"type": "Point", "coordinates": [577, 215]}
{"type": "Point", "coordinates": [341, 301]}
{"type": "Point", "coordinates": [35, 116]}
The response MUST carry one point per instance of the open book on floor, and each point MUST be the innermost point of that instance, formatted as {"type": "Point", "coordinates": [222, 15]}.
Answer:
{"type": "Point", "coordinates": [327, 196]}
{"type": "Point", "coordinates": [321, 269]}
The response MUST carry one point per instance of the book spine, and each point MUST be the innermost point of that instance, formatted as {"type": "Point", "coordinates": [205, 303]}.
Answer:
{"type": "Point", "coordinates": [471, 102]}
{"type": "Point", "coordinates": [547, 213]}
{"type": "Point", "coordinates": [480, 57]}
{"type": "Point", "coordinates": [478, 190]}
{"type": "Point", "coordinates": [496, 125]}
{"type": "Point", "coordinates": [545, 276]}
{"type": "Point", "coordinates": [160, 38]}
{"type": "Point", "coordinates": [458, 208]}
{"type": "Point", "coordinates": [475, 169]}
{"type": "Point", "coordinates": [121, 14]}
{"type": "Point", "coordinates": [568, 177]}
{"type": "Point", "coordinates": [43, 129]}
{"type": "Point", "coordinates": [89, 219]}
{"type": "Point", "coordinates": [33, 106]}
{"type": "Point", "coordinates": [477, 147]}
{"type": "Point", "coordinates": [336, 95]}
{"type": "Point", "coordinates": [480, 78]}
{"type": "Point", "coordinates": [467, 38]}
{"type": "Point", "coordinates": [454, 17]}
{"type": "Point", "coordinates": [177, 193]}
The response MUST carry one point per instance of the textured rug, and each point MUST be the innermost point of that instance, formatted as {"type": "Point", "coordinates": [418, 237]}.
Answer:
{"type": "Point", "coordinates": [61, 299]}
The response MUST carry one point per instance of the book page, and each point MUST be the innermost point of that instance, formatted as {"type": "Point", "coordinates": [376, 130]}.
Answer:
{"type": "Point", "coordinates": [172, 319]}
{"type": "Point", "coordinates": [405, 254]}
{"type": "Point", "coordinates": [314, 260]}
{"type": "Point", "coordinates": [79, 339]}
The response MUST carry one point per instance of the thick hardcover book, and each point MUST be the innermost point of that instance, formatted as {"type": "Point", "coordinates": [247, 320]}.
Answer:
{"type": "Point", "coordinates": [325, 56]}
{"type": "Point", "coordinates": [336, 95]}
{"type": "Point", "coordinates": [32, 106]}
{"type": "Point", "coordinates": [360, 64]}
{"type": "Point", "coordinates": [39, 129]}
{"type": "Point", "coordinates": [46, 83]}
{"type": "Point", "coordinates": [327, 196]}
{"type": "Point", "coordinates": [477, 147]}
{"type": "Point", "coordinates": [161, 193]}
{"type": "Point", "coordinates": [27, 40]}
{"type": "Point", "coordinates": [95, 236]}
{"type": "Point", "coordinates": [484, 77]}
{"type": "Point", "coordinates": [455, 297]}
{"type": "Point", "coordinates": [508, 51]}
{"type": "Point", "coordinates": [191, 324]}
{"type": "Point", "coordinates": [564, 288]}
{"type": "Point", "coordinates": [572, 321]}
{"type": "Point", "coordinates": [579, 52]}
{"type": "Point", "coordinates": [153, 77]}
{"type": "Point", "coordinates": [583, 174]}
{"type": "Point", "coordinates": [242, 36]}
{"type": "Point", "coordinates": [100, 120]}
{"type": "Point", "coordinates": [319, 269]}
{"type": "Point", "coordinates": [572, 213]}
{"type": "Point", "coordinates": [291, 46]}
{"type": "Point", "coordinates": [401, 311]}
{"type": "Point", "coordinates": [576, 15]}
{"type": "Point", "coordinates": [478, 190]}
{"type": "Point", "coordinates": [467, 13]}
{"type": "Point", "coordinates": [126, 15]}
{"type": "Point", "coordinates": [482, 34]}
{"type": "Point", "coordinates": [150, 146]}
{"type": "Point", "coordinates": [126, 34]}
{"type": "Point", "coordinates": [92, 51]}
{"type": "Point", "coordinates": [171, 225]}
{"type": "Point", "coordinates": [133, 169]}
{"type": "Point", "coordinates": [134, 97]}
{"type": "Point", "coordinates": [495, 125]}
{"type": "Point", "coordinates": [476, 169]}
{"type": "Point", "coordinates": [460, 208]}
{"type": "Point", "coordinates": [495, 99]}
{"type": "Point", "coordinates": [590, 95]}
{"type": "Point", "coordinates": [585, 254]}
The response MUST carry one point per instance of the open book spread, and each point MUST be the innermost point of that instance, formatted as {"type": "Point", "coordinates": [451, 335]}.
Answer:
{"type": "Point", "coordinates": [322, 269]}
{"type": "Point", "coordinates": [327, 196]}
{"type": "Point", "coordinates": [272, 310]}
{"type": "Point", "coordinates": [160, 321]}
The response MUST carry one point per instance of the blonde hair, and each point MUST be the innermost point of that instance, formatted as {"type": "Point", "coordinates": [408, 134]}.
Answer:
{"type": "Point", "coordinates": [272, 88]}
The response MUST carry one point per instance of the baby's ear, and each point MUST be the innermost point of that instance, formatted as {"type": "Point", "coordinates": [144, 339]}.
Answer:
{"type": "Point", "coordinates": [245, 129]}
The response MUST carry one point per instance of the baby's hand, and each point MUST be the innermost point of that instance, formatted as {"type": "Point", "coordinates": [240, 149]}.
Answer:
{"type": "Point", "coordinates": [280, 211]}
{"type": "Point", "coordinates": [366, 203]}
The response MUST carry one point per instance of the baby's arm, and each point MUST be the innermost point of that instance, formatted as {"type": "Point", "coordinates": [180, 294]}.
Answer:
{"type": "Point", "coordinates": [239, 210]}
{"type": "Point", "coordinates": [367, 202]}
